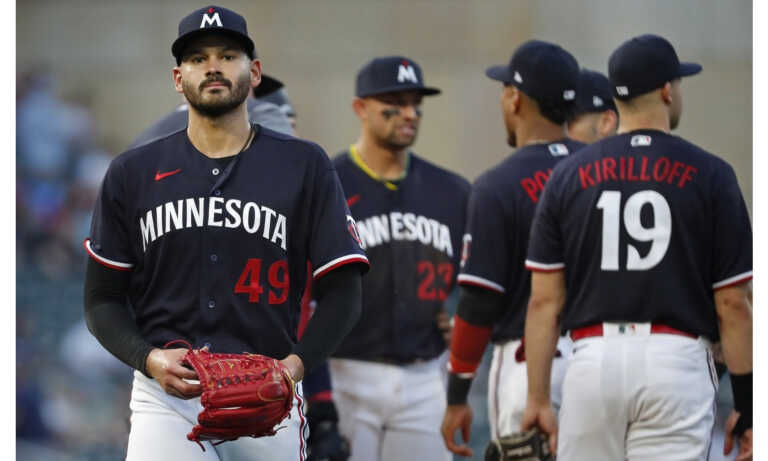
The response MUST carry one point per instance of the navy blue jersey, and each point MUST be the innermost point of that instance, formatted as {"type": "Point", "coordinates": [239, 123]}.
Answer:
{"type": "Point", "coordinates": [218, 254]}
{"type": "Point", "coordinates": [646, 226]}
{"type": "Point", "coordinates": [500, 213]}
{"type": "Point", "coordinates": [411, 232]}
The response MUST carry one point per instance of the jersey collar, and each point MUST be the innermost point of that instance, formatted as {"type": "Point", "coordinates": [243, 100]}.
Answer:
{"type": "Point", "coordinates": [355, 156]}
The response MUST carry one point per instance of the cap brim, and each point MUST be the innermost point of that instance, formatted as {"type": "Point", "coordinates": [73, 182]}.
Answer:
{"type": "Point", "coordinates": [267, 86]}
{"type": "Point", "coordinates": [423, 90]}
{"type": "Point", "coordinates": [177, 48]}
{"type": "Point", "coordinates": [689, 68]}
{"type": "Point", "coordinates": [500, 73]}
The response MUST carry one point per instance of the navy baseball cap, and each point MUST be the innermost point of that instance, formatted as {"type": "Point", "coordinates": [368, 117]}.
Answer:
{"type": "Point", "coordinates": [542, 70]}
{"type": "Point", "coordinates": [391, 73]}
{"type": "Point", "coordinates": [644, 63]}
{"type": "Point", "coordinates": [216, 19]}
{"type": "Point", "coordinates": [267, 86]}
{"type": "Point", "coordinates": [595, 93]}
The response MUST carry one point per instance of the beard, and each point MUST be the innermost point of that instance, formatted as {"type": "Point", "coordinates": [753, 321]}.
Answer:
{"type": "Point", "coordinates": [512, 139]}
{"type": "Point", "coordinates": [213, 104]}
{"type": "Point", "coordinates": [394, 141]}
{"type": "Point", "coordinates": [509, 126]}
{"type": "Point", "coordinates": [674, 121]}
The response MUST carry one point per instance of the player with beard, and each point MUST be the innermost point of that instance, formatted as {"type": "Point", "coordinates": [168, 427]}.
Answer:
{"type": "Point", "coordinates": [386, 376]}
{"type": "Point", "coordinates": [206, 233]}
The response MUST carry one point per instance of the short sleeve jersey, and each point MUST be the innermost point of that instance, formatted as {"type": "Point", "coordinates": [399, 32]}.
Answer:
{"type": "Point", "coordinates": [218, 254]}
{"type": "Point", "coordinates": [646, 225]}
{"type": "Point", "coordinates": [411, 232]}
{"type": "Point", "coordinates": [500, 213]}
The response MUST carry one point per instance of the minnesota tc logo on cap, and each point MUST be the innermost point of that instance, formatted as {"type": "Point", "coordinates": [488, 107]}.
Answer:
{"type": "Point", "coordinates": [210, 20]}
{"type": "Point", "coordinates": [405, 73]}
{"type": "Point", "coordinates": [389, 74]}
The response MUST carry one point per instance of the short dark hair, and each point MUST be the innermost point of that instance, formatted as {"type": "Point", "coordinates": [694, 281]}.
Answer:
{"type": "Point", "coordinates": [557, 113]}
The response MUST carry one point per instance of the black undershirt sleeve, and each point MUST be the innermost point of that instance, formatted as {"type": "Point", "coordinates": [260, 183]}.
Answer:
{"type": "Point", "coordinates": [108, 317]}
{"type": "Point", "coordinates": [339, 305]}
{"type": "Point", "coordinates": [480, 306]}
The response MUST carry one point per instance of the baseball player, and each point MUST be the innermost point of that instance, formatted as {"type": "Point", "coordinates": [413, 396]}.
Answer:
{"type": "Point", "coordinates": [271, 108]}
{"type": "Point", "coordinates": [206, 233]}
{"type": "Point", "coordinates": [595, 117]}
{"type": "Point", "coordinates": [642, 247]}
{"type": "Point", "coordinates": [387, 381]}
{"type": "Point", "coordinates": [537, 98]}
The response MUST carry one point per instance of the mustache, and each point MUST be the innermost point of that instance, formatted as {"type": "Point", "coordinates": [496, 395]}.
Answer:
{"type": "Point", "coordinates": [215, 79]}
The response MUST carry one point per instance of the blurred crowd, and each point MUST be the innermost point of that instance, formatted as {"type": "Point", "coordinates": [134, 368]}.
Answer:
{"type": "Point", "coordinates": [71, 395]}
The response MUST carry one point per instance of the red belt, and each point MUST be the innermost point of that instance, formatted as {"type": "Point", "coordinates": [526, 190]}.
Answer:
{"type": "Point", "coordinates": [597, 330]}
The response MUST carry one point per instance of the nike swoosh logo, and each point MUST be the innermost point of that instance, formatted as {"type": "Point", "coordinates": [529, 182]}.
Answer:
{"type": "Point", "coordinates": [354, 199]}
{"type": "Point", "coordinates": [159, 176]}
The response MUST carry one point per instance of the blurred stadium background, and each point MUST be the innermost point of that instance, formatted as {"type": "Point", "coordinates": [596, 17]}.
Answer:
{"type": "Point", "coordinates": [90, 75]}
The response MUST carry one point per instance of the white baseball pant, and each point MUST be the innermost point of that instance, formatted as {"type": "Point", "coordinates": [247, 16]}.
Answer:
{"type": "Point", "coordinates": [390, 412]}
{"type": "Point", "coordinates": [508, 386]}
{"type": "Point", "coordinates": [160, 424]}
{"type": "Point", "coordinates": [634, 395]}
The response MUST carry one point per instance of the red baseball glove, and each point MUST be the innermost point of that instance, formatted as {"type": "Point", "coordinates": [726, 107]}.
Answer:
{"type": "Point", "coordinates": [243, 395]}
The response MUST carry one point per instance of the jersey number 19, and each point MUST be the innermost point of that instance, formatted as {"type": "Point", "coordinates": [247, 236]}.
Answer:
{"type": "Point", "coordinates": [659, 234]}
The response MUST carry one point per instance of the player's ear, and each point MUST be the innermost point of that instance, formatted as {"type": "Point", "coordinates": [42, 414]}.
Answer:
{"type": "Point", "coordinates": [666, 93]}
{"type": "Point", "coordinates": [255, 73]}
{"type": "Point", "coordinates": [515, 99]}
{"type": "Point", "coordinates": [176, 75]}
{"type": "Point", "coordinates": [358, 105]}
{"type": "Point", "coordinates": [609, 121]}
{"type": "Point", "coordinates": [510, 99]}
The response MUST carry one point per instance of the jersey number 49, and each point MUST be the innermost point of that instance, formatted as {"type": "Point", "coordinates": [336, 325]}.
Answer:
{"type": "Point", "coordinates": [250, 281]}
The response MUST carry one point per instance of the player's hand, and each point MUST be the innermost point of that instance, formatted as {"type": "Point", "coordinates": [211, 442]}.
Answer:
{"type": "Point", "coordinates": [745, 440]}
{"type": "Point", "coordinates": [541, 415]}
{"type": "Point", "coordinates": [295, 367]}
{"type": "Point", "coordinates": [445, 325]}
{"type": "Point", "coordinates": [457, 416]}
{"type": "Point", "coordinates": [165, 365]}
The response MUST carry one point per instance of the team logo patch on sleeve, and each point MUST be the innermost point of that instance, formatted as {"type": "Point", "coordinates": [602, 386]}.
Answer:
{"type": "Point", "coordinates": [352, 228]}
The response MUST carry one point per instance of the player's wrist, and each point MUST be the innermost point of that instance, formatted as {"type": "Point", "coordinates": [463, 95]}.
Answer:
{"type": "Point", "coordinates": [741, 385]}
{"type": "Point", "coordinates": [458, 389]}
{"type": "Point", "coordinates": [295, 367]}
{"type": "Point", "coordinates": [539, 399]}
{"type": "Point", "coordinates": [144, 363]}
{"type": "Point", "coordinates": [151, 361]}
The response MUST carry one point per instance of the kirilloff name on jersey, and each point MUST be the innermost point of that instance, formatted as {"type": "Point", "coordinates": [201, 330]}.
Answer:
{"type": "Point", "coordinates": [213, 212]}
{"type": "Point", "coordinates": [404, 226]}
{"type": "Point", "coordinates": [629, 168]}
